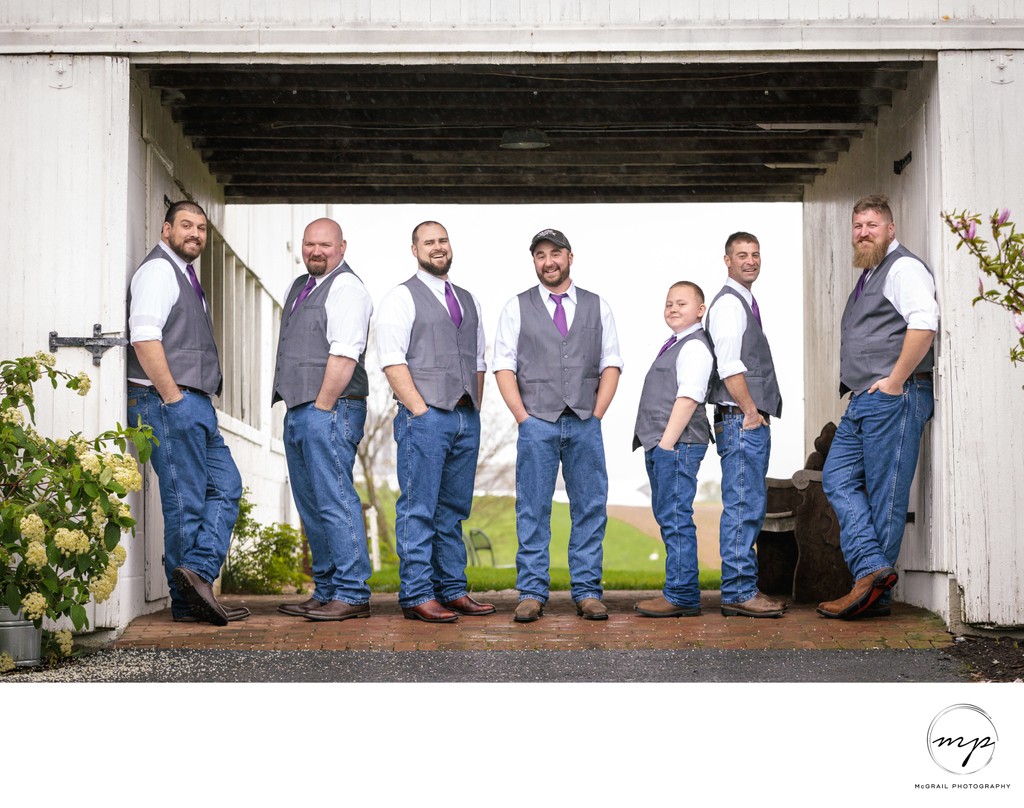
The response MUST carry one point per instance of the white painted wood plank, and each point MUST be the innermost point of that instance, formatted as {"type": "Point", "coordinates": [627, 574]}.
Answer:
{"type": "Point", "coordinates": [684, 10]}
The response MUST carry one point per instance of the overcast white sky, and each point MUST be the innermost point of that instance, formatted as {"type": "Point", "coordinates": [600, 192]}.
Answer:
{"type": "Point", "coordinates": [630, 255]}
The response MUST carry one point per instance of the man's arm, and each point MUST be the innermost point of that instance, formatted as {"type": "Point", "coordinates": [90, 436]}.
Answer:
{"type": "Point", "coordinates": [915, 345]}
{"type": "Point", "coordinates": [740, 393]}
{"type": "Point", "coordinates": [401, 382]}
{"type": "Point", "coordinates": [154, 363]}
{"type": "Point", "coordinates": [678, 420]}
{"type": "Point", "coordinates": [508, 386]}
{"type": "Point", "coordinates": [480, 376]}
{"type": "Point", "coordinates": [337, 375]}
{"type": "Point", "coordinates": [606, 390]}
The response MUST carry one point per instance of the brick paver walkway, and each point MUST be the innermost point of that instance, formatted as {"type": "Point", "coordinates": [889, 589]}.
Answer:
{"type": "Point", "coordinates": [559, 629]}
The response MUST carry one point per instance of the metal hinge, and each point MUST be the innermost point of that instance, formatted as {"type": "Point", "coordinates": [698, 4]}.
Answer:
{"type": "Point", "coordinates": [1002, 67]}
{"type": "Point", "coordinates": [97, 343]}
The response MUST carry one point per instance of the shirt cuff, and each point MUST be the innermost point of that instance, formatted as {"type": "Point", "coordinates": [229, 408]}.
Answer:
{"type": "Point", "coordinates": [731, 369]}
{"type": "Point", "coordinates": [387, 360]}
{"type": "Point", "coordinates": [347, 351]}
{"type": "Point", "coordinates": [923, 322]}
{"type": "Point", "coordinates": [504, 364]}
{"type": "Point", "coordinates": [613, 361]}
{"type": "Point", "coordinates": [686, 391]}
{"type": "Point", "coordinates": [147, 333]}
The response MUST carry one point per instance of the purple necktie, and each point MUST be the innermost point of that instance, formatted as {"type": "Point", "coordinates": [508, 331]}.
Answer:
{"type": "Point", "coordinates": [668, 344]}
{"type": "Point", "coordinates": [754, 308]}
{"type": "Point", "coordinates": [195, 283]}
{"type": "Point", "coordinates": [453, 304]}
{"type": "Point", "coordinates": [559, 317]}
{"type": "Point", "coordinates": [304, 293]}
{"type": "Point", "coordinates": [860, 283]}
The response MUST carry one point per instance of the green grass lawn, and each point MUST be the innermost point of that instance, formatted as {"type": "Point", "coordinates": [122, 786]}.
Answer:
{"type": "Point", "coordinates": [632, 559]}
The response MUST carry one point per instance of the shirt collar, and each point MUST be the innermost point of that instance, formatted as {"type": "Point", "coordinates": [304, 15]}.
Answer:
{"type": "Point", "coordinates": [743, 290]}
{"type": "Point", "coordinates": [327, 275]}
{"type": "Point", "coordinates": [431, 281]}
{"type": "Point", "coordinates": [686, 332]}
{"type": "Point", "coordinates": [543, 291]}
{"type": "Point", "coordinates": [179, 262]}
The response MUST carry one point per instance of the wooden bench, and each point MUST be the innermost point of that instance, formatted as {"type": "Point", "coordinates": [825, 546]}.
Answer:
{"type": "Point", "coordinates": [798, 552]}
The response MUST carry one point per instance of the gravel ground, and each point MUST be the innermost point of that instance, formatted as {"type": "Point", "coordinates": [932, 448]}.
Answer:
{"type": "Point", "coordinates": [137, 665]}
{"type": "Point", "coordinates": [991, 660]}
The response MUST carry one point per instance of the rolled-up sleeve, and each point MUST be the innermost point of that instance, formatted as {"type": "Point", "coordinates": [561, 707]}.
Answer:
{"type": "Point", "coordinates": [394, 325]}
{"type": "Point", "coordinates": [154, 293]}
{"type": "Point", "coordinates": [693, 370]}
{"type": "Point", "coordinates": [726, 328]}
{"type": "Point", "coordinates": [506, 339]}
{"type": "Point", "coordinates": [610, 354]}
{"type": "Point", "coordinates": [910, 288]}
{"type": "Point", "coordinates": [349, 309]}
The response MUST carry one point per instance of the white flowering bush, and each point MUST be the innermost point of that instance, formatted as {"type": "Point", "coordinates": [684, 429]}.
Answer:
{"type": "Point", "coordinates": [61, 509]}
{"type": "Point", "coordinates": [1004, 264]}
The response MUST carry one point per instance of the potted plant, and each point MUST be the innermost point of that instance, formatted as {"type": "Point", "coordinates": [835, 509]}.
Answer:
{"type": "Point", "coordinates": [62, 512]}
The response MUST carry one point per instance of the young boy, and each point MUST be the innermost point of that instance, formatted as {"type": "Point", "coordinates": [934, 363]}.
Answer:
{"type": "Point", "coordinates": [672, 426]}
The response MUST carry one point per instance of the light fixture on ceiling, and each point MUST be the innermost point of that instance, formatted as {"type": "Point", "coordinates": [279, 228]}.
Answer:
{"type": "Point", "coordinates": [524, 139]}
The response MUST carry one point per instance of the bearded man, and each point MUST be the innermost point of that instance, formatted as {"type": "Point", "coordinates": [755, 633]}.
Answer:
{"type": "Point", "coordinates": [430, 341]}
{"type": "Point", "coordinates": [885, 363]}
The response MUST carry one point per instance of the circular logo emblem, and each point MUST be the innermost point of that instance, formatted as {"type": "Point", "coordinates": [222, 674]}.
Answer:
{"type": "Point", "coordinates": [962, 739]}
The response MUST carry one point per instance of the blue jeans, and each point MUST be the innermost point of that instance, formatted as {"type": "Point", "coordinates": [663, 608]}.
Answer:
{"type": "Point", "coordinates": [744, 454]}
{"type": "Point", "coordinates": [869, 469]}
{"type": "Point", "coordinates": [199, 484]}
{"type": "Point", "coordinates": [673, 477]}
{"type": "Point", "coordinates": [321, 450]}
{"type": "Point", "coordinates": [580, 449]}
{"type": "Point", "coordinates": [436, 469]}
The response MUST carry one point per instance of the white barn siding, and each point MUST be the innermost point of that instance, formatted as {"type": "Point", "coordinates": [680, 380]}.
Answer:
{"type": "Point", "coordinates": [980, 496]}
{"type": "Point", "coordinates": [63, 223]}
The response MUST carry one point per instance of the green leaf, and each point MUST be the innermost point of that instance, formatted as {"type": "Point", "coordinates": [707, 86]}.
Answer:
{"type": "Point", "coordinates": [91, 490]}
{"type": "Point", "coordinates": [78, 617]}
{"type": "Point", "coordinates": [111, 536]}
{"type": "Point", "coordinates": [12, 597]}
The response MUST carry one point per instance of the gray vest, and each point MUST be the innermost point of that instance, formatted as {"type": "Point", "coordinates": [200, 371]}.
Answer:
{"type": "Point", "coordinates": [303, 349]}
{"type": "Point", "coordinates": [555, 372]}
{"type": "Point", "coordinates": [756, 356]}
{"type": "Point", "coordinates": [659, 396]}
{"type": "Point", "coordinates": [441, 357]}
{"type": "Point", "coordinates": [873, 332]}
{"type": "Point", "coordinates": [187, 338]}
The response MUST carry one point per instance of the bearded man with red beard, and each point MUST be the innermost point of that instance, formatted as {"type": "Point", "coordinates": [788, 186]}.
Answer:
{"type": "Point", "coordinates": [885, 363]}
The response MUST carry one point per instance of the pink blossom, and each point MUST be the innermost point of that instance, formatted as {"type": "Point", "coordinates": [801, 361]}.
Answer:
{"type": "Point", "coordinates": [1018, 322]}
{"type": "Point", "coordinates": [971, 231]}
{"type": "Point", "coordinates": [1003, 216]}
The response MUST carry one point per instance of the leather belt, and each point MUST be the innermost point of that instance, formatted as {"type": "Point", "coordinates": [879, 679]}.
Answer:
{"type": "Point", "coordinates": [729, 409]}
{"type": "Point", "coordinates": [182, 387]}
{"type": "Point", "coordinates": [465, 401]}
{"type": "Point", "coordinates": [923, 376]}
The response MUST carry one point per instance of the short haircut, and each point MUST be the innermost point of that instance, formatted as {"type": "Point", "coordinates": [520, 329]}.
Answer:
{"type": "Point", "coordinates": [876, 202]}
{"type": "Point", "coordinates": [416, 229]}
{"type": "Point", "coordinates": [184, 204]}
{"type": "Point", "coordinates": [740, 236]}
{"type": "Point", "coordinates": [690, 285]}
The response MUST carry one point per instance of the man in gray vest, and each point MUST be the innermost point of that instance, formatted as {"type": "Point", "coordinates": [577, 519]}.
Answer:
{"type": "Point", "coordinates": [321, 377]}
{"type": "Point", "coordinates": [885, 363]}
{"type": "Point", "coordinates": [557, 364]}
{"type": "Point", "coordinates": [746, 396]}
{"type": "Point", "coordinates": [173, 369]}
{"type": "Point", "coordinates": [430, 341]}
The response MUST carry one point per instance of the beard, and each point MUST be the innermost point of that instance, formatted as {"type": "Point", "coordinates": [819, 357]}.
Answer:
{"type": "Point", "coordinates": [554, 283]}
{"type": "Point", "coordinates": [433, 269]}
{"type": "Point", "coordinates": [188, 249]}
{"type": "Point", "coordinates": [868, 253]}
{"type": "Point", "coordinates": [316, 266]}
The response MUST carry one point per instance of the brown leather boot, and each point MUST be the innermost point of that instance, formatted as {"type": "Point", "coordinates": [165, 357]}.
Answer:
{"type": "Point", "coordinates": [661, 607]}
{"type": "Point", "coordinates": [592, 609]}
{"type": "Point", "coordinates": [865, 592]}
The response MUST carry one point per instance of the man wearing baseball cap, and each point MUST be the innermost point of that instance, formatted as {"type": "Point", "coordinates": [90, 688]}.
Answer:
{"type": "Point", "coordinates": [557, 364]}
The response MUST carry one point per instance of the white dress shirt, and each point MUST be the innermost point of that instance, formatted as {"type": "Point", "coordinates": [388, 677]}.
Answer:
{"type": "Point", "coordinates": [506, 341]}
{"type": "Point", "coordinates": [727, 328]}
{"type": "Point", "coordinates": [910, 288]}
{"type": "Point", "coordinates": [397, 313]}
{"type": "Point", "coordinates": [154, 293]}
{"type": "Point", "coordinates": [349, 309]}
{"type": "Point", "coordinates": [693, 366]}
